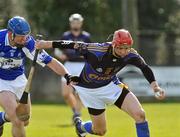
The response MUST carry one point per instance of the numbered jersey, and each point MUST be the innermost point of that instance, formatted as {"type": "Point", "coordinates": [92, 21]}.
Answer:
{"type": "Point", "coordinates": [12, 59]}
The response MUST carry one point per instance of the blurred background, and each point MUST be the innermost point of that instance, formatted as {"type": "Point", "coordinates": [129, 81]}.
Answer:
{"type": "Point", "coordinates": [154, 25]}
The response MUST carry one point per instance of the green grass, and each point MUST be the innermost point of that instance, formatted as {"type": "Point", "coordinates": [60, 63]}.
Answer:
{"type": "Point", "coordinates": [55, 120]}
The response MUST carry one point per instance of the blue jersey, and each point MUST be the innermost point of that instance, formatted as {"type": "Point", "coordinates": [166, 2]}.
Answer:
{"type": "Point", "coordinates": [101, 65]}
{"type": "Point", "coordinates": [84, 37]}
{"type": "Point", "coordinates": [12, 59]}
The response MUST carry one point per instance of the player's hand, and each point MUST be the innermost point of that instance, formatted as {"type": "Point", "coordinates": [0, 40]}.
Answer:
{"type": "Point", "coordinates": [42, 44]}
{"type": "Point", "coordinates": [71, 79]}
{"type": "Point", "coordinates": [159, 93]}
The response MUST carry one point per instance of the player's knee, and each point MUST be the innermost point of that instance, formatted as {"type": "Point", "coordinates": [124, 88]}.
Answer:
{"type": "Point", "coordinates": [17, 123]}
{"type": "Point", "coordinates": [12, 115]}
{"type": "Point", "coordinates": [100, 132]}
{"type": "Point", "coordinates": [139, 115]}
{"type": "Point", "coordinates": [26, 123]}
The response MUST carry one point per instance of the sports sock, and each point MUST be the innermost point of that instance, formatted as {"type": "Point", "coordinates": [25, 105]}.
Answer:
{"type": "Point", "coordinates": [75, 112]}
{"type": "Point", "coordinates": [142, 129]}
{"type": "Point", "coordinates": [2, 118]}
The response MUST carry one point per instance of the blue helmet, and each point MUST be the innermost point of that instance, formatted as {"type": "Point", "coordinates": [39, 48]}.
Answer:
{"type": "Point", "coordinates": [19, 26]}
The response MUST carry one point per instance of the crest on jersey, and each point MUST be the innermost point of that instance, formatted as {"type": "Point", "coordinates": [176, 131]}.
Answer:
{"type": "Point", "coordinates": [99, 70]}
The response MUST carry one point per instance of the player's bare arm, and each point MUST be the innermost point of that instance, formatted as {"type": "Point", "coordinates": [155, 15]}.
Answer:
{"type": "Point", "coordinates": [42, 44]}
{"type": "Point", "coordinates": [58, 68]}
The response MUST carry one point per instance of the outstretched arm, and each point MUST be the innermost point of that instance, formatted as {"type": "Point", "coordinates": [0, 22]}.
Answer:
{"type": "Point", "coordinates": [149, 75]}
{"type": "Point", "coordinates": [42, 44]}
{"type": "Point", "coordinates": [61, 44]}
{"type": "Point", "coordinates": [81, 48]}
{"type": "Point", "coordinates": [45, 59]}
{"type": "Point", "coordinates": [59, 68]}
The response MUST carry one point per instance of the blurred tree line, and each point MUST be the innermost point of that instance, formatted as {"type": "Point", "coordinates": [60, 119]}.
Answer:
{"type": "Point", "coordinates": [159, 27]}
{"type": "Point", "coordinates": [101, 17]}
{"type": "Point", "coordinates": [157, 23]}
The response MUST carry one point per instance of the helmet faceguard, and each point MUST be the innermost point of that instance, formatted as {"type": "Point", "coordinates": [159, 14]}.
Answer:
{"type": "Point", "coordinates": [122, 38]}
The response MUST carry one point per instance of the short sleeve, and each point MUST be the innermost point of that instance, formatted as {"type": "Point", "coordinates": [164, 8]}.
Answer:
{"type": "Point", "coordinates": [30, 43]}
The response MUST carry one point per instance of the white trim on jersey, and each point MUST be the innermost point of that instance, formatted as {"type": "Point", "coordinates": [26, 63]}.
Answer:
{"type": "Point", "coordinates": [30, 55]}
{"type": "Point", "coordinates": [7, 40]}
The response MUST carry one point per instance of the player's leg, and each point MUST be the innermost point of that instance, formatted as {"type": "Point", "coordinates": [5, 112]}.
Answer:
{"type": "Point", "coordinates": [79, 105]}
{"type": "Point", "coordinates": [3, 119]}
{"type": "Point", "coordinates": [130, 104]}
{"type": "Point", "coordinates": [26, 123]}
{"type": "Point", "coordinates": [9, 104]}
{"type": "Point", "coordinates": [96, 126]}
{"type": "Point", "coordinates": [75, 69]}
{"type": "Point", "coordinates": [95, 100]}
{"type": "Point", "coordinates": [67, 92]}
{"type": "Point", "coordinates": [98, 118]}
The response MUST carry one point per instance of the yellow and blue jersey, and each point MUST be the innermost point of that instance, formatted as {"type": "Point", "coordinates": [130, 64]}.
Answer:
{"type": "Point", "coordinates": [101, 65]}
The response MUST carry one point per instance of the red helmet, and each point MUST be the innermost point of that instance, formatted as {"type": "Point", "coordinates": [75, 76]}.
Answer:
{"type": "Point", "coordinates": [122, 37]}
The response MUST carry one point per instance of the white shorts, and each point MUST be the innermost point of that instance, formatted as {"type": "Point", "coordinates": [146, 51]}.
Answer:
{"type": "Point", "coordinates": [16, 86]}
{"type": "Point", "coordinates": [74, 68]}
{"type": "Point", "coordinates": [98, 98]}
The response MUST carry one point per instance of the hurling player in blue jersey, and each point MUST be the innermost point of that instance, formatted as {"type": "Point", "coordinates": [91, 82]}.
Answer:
{"type": "Point", "coordinates": [72, 60]}
{"type": "Point", "coordinates": [99, 86]}
{"type": "Point", "coordinates": [15, 44]}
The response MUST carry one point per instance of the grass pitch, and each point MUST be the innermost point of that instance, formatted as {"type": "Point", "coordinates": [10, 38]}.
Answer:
{"type": "Point", "coordinates": [55, 121]}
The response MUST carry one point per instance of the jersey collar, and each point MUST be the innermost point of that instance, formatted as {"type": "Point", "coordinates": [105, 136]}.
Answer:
{"type": "Point", "coordinates": [7, 40]}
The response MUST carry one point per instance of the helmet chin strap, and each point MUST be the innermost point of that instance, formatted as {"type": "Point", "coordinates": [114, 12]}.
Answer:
{"type": "Point", "coordinates": [13, 36]}
{"type": "Point", "coordinates": [14, 43]}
